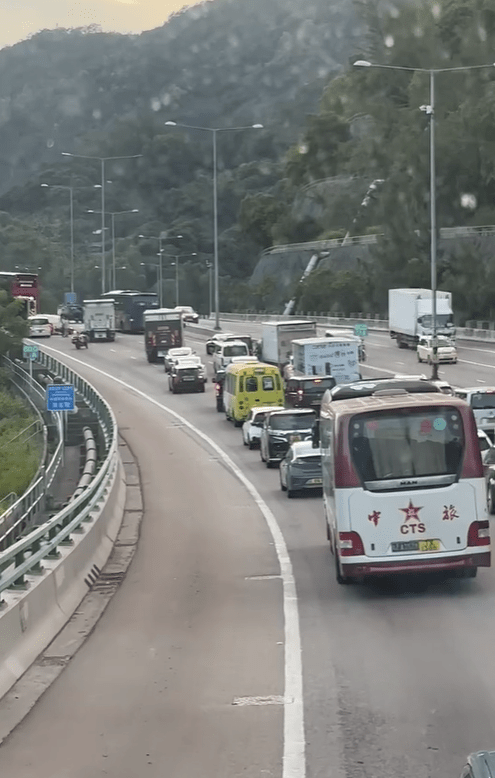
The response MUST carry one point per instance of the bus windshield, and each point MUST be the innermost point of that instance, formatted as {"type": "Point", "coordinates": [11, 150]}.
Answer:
{"type": "Point", "coordinates": [405, 443]}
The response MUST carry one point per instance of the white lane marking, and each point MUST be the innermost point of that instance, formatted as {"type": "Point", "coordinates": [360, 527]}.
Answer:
{"type": "Point", "coordinates": [400, 363]}
{"type": "Point", "coordinates": [480, 381]}
{"type": "Point", "coordinates": [274, 699]}
{"type": "Point", "coordinates": [112, 349]}
{"type": "Point", "coordinates": [294, 748]}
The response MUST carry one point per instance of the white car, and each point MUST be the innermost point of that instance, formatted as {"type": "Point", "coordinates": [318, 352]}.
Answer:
{"type": "Point", "coordinates": [39, 327]}
{"type": "Point", "coordinates": [446, 351]}
{"type": "Point", "coordinates": [485, 443]}
{"type": "Point", "coordinates": [174, 353]}
{"type": "Point", "coordinates": [190, 359]}
{"type": "Point", "coordinates": [188, 313]}
{"type": "Point", "coordinates": [251, 429]}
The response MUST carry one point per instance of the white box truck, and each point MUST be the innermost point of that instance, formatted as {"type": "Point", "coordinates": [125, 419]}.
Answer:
{"type": "Point", "coordinates": [277, 337]}
{"type": "Point", "coordinates": [410, 315]}
{"type": "Point", "coordinates": [338, 357]}
{"type": "Point", "coordinates": [99, 319]}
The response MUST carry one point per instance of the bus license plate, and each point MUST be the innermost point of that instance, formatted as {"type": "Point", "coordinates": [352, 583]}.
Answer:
{"type": "Point", "coordinates": [416, 545]}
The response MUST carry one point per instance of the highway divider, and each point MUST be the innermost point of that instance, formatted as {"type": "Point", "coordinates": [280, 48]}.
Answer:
{"type": "Point", "coordinates": [45, 575]}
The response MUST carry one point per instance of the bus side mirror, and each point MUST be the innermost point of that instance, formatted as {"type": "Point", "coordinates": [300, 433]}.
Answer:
{"type": "Point", "coordinates": [315, 434]}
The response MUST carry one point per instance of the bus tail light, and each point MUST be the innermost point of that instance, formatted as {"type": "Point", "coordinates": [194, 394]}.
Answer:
{"type": "Point", "coordinates": [479, 534]}
{"type": "Point", "coordinates": [350, 544]}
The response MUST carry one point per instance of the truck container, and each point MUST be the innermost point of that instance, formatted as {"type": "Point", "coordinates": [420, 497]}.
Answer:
{"type": "Point", "coordinates": [410, 313]}
{"type": "Point", "coordinates": [99, 319]}
{"type": "Point", "coordinates": [338, 357]}
{"type": "Point", "coordinates": [162, 331]}
{"type": "Point", "coordinates": [277, 337]}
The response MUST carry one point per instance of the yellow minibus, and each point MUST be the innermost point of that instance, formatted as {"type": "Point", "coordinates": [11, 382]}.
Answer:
{"type": "Point", "coordinates": [250, 384]}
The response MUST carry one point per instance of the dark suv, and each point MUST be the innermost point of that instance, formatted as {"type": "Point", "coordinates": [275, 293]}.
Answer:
{"type": "Point", "coordinates": [306, 391]}
{"type": "Point", "coordinates": [186, 377]}
{"type": "Point", "coordinates": [281, 428]}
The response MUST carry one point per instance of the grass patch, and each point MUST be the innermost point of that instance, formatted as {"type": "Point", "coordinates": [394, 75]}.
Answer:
{"type": "Point", "coordinates": [19, 456]}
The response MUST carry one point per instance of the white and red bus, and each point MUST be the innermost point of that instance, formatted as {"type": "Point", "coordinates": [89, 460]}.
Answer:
{"type": "Point", "coordinates": [403, 484]}
{"type": "Point", "coordinates": [22, 286]}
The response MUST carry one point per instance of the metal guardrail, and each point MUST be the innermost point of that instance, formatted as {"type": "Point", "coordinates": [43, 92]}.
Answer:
{"type": "Point", "coordinates": [323, 245]}
{"type": "Point", "coordinates": [24, 509]}
{"type": "Point", "coordinates": [25, 556]}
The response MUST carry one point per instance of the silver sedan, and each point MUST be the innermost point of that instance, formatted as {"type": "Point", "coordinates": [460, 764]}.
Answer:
{"type": "Point", "coordinates": [300, 469]}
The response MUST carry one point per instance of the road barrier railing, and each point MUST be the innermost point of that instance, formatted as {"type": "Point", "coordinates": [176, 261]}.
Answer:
{"type": "Point", "coordinates": [45, 574]}
{"type": "Point", "coordinates": [25, 555]}
{"type": "Point", "coordinates": [371, 320]}
{"type": "Point", "coordinates": [23, 510]}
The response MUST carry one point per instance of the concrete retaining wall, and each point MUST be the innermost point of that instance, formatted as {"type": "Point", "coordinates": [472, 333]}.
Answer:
{"type": "Point", "coordinates": [32, 617]}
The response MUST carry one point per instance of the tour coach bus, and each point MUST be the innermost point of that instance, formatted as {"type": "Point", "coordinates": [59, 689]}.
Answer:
{"type": "Point", "coordinates": [403, 484]}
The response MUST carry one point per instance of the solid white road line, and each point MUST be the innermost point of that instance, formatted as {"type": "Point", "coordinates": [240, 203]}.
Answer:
{"type": "Point", "coordinates": [294, 746]}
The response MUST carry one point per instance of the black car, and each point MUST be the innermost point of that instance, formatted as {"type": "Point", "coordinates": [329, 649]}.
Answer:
{"type": "Point", "coordinates": [306, 391]}
{"type": "Point", "coordinates": [281, 428]}
{"type": "Point", "coordinates": [186, 377]}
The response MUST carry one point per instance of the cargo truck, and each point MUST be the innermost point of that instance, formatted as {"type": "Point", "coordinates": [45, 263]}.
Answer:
{"type": "Point", "coordinates": [277, 337]}
{"type": "Point", "coordinates": [162, 331]}
{"type": "Point", "coordinates": [99, 319]}
{"type": "Point", "coordinates": [410, 314]}
{"type": "Point", "coordinates": [338, 357]}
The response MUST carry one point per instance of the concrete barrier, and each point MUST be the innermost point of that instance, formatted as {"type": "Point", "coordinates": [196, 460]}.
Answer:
{"type": "Point", "coordinates": [32, 617]}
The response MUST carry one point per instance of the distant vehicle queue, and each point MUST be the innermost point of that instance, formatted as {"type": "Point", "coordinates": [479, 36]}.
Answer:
{"type": "Point", "coordinates": [399, 461]}
{"type": "Point", "coordinates": [406, 465]}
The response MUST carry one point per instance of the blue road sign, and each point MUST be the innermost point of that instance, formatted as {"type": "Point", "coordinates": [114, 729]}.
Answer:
{"type": "Point", "coordinates": [70, 298]}
{"type": "Point", "coordinates": [29, 352]}
{"type": "Point", "coordinates": [60, 397]}
{"type": "Point", "coordinates": [361, 330]}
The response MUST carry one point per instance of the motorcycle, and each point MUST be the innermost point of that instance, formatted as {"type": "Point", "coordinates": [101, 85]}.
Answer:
{"type": "Point", "coordinates": [80, 340]}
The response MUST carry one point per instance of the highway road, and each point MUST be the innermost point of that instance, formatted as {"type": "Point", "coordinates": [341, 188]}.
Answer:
{"type": "Point", "coordinates": [398, 678]}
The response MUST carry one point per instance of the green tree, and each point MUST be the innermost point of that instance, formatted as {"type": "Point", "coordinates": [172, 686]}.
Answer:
{"type": "Point", "coordinates": [13, 327]}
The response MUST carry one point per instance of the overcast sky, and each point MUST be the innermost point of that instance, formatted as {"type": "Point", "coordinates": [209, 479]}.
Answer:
{"type": "Point", "coordinates": [21, 18]}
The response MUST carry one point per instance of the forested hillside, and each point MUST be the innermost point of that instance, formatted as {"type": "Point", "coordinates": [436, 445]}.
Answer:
{"type": "Point", "coordinates": [329, 131]}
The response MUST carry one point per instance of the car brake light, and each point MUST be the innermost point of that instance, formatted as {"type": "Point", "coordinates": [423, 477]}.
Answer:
{"type": "Point", "coordinates": [350, 544]}
{"type": "Point", "coordinates": [479, 534]}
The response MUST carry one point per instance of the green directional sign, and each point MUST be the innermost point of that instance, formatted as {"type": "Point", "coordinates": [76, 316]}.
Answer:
{"type": "Point", "coordinates": [29, 352]}
{"type": "Point", "coordinates": [361, 330]}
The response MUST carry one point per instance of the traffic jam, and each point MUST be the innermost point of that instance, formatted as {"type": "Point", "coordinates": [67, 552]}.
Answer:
{"type": "Point", "coordinates": [405, 464]}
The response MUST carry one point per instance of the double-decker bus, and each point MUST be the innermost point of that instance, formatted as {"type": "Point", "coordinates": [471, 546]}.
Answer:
{"type": "Point", "coordinates": [129, 308]}
{"type": "Point", "coordinates": [24, 287]}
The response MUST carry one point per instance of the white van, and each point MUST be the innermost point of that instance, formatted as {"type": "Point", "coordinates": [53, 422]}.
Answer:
{"type": "Point", "coordinates": [39, 327]}
{"type": "Point", "coordinates": [403, 485]}
{"type": "Point", "coordinates": [223, 353]}
{"type": "Point", "coordinates": [482, 401]}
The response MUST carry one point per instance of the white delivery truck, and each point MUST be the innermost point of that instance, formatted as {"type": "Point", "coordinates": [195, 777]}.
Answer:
{"type": "Point", "coordinates": [99, 319]}
{"type": "Point", "coordinates": [410, 315]}
{"type": "Point", "coordinates": [277, 337]}
{"type": "Point", "coordinates": [338, 357]}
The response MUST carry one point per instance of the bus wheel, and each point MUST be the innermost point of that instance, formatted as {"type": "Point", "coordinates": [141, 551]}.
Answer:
{"type": "Point", "coordinates": [341, 579]}
{"type": "Point", "coordinates": [238, 423]}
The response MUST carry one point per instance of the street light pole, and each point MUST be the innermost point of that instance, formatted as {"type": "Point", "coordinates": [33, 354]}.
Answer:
{"type": "Point", "coordinates": [430, 111]}
{"type": "Point", "coordinates": [113, 214]}
{"type": "Point", "coordinates": [102, 161]}
{"type": "Point", "coordinates": [71, 196]}
{"type": "Point", "coordinates": [177, 279]}
{"type": "Point", "coordinates": [214, 131]}
{"type": "Point", "coordinates": [210, 304]}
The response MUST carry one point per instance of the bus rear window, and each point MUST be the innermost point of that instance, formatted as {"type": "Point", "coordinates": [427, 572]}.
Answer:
{"type": "Point", "coordinates": [407, 443]}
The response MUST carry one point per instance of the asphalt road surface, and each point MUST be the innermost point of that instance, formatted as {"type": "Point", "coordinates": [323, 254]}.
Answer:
{"type": "Point", "coordinates": [398, 677]}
